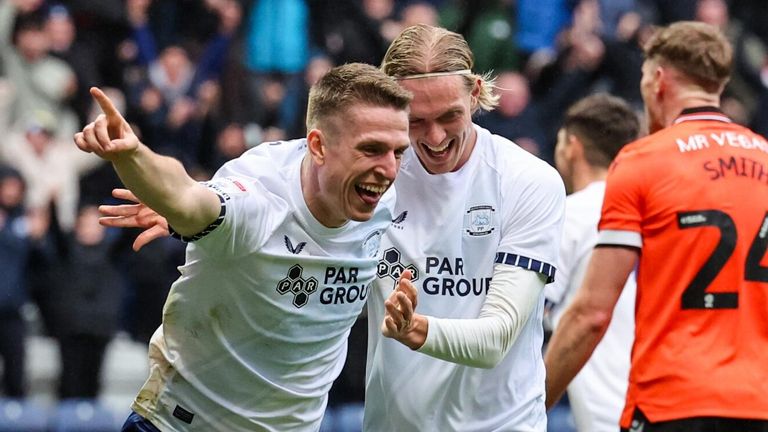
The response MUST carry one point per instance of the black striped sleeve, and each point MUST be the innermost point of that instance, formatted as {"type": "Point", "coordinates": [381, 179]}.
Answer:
{"type": "Point", "coordinates": [207, 229]}
{"type": "Point", "coordinates": [527, 263]}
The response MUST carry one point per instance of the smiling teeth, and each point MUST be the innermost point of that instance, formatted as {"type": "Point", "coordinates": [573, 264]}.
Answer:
{"type": "Point", "coordinates": [438, 149]}
{"type": "Point", "coordinates": [373, 188]}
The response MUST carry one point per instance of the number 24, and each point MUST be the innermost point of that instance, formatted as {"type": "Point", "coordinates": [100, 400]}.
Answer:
{"type": "Point", "coordinates": [696, 295]}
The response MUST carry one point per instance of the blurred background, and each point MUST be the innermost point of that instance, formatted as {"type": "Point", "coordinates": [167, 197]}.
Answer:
{"type": "Point", "coordinates": [205, 80]}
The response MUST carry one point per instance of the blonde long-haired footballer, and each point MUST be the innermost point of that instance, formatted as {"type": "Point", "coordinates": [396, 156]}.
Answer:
{"type": "Point", "coordinates": [477, 223]}
{"type": "Point", "coordinates": [422, 51]}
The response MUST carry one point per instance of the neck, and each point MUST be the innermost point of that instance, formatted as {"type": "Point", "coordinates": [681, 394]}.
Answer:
{"type": "Point", "coordinates": [313, 195]}
{"type": "Point", "coordinates": [687, 98]}
{"type": "Point", "coordinates": [585, 175]}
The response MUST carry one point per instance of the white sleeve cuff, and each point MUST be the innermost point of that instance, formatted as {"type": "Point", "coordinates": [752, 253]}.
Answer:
{"type": "Point", "coordinates": [619, 238]}
{"type": "Point", "coordinates": [484, 341]}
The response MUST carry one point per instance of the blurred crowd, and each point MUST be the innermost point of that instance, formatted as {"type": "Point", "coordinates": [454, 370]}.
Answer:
{"type": "Point", "coordinates": [204, 80]}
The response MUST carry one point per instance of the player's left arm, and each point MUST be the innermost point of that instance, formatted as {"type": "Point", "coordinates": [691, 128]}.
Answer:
{"type": "Point", "coordinates": [480, 342]}
{"type": "Point", "coordinates": [514, 291]}
{"type": "Point", "coordinates": [585, 321]}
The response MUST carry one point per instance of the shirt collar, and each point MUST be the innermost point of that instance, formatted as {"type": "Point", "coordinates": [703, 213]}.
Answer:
{"type": "Point", "coordinates": [702, 113]}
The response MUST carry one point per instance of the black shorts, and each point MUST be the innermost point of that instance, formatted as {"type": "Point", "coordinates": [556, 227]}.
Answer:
{"type": "Point", "coordinates": [640, 423]}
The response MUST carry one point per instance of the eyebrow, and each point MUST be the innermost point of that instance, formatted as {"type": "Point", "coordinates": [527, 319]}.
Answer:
{"type": "Point", "coordinates": [449, 112]}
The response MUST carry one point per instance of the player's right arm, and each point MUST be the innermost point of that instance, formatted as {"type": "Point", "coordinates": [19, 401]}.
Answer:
{"type": "Point", "coordinates": [158, 181]}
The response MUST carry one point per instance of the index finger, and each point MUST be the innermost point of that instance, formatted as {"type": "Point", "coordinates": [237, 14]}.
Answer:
{"type": "Point", "coordinates": [114, 118]}
{"type": "Point", "coordinates": [405, 286]}
{"type": "Point", "coordinates": [406, 274]}
{"type": "Point", "coordinates": [125, 194]}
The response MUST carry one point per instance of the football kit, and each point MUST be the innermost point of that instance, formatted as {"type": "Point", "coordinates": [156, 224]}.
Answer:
{"type": "Point", "coordinates": [504, 207]}
{"type": "Point", "coordinates": [693, 198]}
{"type": "Point", "coordinates": [255, 329]}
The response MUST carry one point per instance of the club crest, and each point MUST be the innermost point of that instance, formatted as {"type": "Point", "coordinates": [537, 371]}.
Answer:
{"type": "Point", "coordinates": [479, 220]}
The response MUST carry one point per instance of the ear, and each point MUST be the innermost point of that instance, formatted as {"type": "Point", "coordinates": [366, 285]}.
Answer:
{"type": "Point", "coordinates": [660, 77]}
{"type": "Point", "coordinates": [475, 93]}
{"type": "Point", "coordinates": [316, 146]}
{"type": "Point", "coordinates": [575, 148]}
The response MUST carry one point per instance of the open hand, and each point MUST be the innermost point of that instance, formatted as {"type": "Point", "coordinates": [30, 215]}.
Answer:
{"type": "Point", "coordinates": [135, 215]}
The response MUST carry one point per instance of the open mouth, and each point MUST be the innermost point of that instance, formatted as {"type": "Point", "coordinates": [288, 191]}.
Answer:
{"type": "Point", "coordinates": [438, 151]}
{"type": "Point", "coordinates": [370, 193]}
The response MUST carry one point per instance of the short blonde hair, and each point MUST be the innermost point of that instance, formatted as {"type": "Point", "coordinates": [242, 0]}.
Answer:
{"type": "Point", "coordinates": [423, 49]}
{"type": "Point", "coordinates": [346, 86]}
{"type": "Point", "coordinates": [699, 51]}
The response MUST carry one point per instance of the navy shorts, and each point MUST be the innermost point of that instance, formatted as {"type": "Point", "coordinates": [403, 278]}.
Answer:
{"type": "Point", "coordinates": [137, 423]}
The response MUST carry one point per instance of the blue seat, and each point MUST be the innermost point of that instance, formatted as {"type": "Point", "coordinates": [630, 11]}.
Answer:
{"type": "Point", "coordinates": [346, 417]}
{"type": "Point", "coordinates": [560, 418]}
{"type": "Point", "coordinates": [22, 415]}
{"type": "Point", "coordinates": [349, 417]}
{"type": "Point", "coordinates": [82, 415]}
{"type": "Point", "coordinates": [329, 421]}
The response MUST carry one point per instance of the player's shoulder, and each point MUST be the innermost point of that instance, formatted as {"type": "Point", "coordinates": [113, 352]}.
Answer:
{"type": "Point", "coordinates": [265, 160]}
{"type": "Point", "coordinates": [584, 206]}
{"type": "Point", "coordinates": [513, 163]}
{"type": "Point", "coordinates": [589, 197]}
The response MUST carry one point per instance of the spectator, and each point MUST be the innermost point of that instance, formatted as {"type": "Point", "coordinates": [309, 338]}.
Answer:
{"type": "Point", "coordinates": [51, 167]}
{"type": "Point", "coordinates": [41, 82]}
{"type": "Point", "coordinates": [750, 56]}
{"type": "Point", "coordinates": [86, 300]}
{"type": "Point", "coordinates": [19, 228]}
{"type": "Point", "coordinates": [294, 106]}
{"type": "Point", "coordinates": [81, 56]}
{"type": "Point", "coordinates": [516, 118]}
{"type": "Point", "coordinates": [175, 94]}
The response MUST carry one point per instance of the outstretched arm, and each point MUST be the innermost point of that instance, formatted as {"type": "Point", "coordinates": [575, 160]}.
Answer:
{"type": "Point", "coordinates": [158, 181]}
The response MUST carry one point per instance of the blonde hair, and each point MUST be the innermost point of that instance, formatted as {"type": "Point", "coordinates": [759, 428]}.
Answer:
{"type": "Point", "coordinates": [697, 50]}
{"type": "Point", "coordinates": [346, 86]}
{"type": "Point", "coordinates": [422, 49]}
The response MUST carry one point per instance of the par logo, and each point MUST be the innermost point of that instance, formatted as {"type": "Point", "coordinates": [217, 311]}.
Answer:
{"type": "Point", "coordinates": [295, 284]}
{"type": "Point", "coordinates": [391, 267]}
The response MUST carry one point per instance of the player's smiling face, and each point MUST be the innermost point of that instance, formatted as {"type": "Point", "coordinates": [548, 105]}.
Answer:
{"type": "Point", "coordinates": [360, 161]}
{"type": "Point", "coordinates": [441, 122]}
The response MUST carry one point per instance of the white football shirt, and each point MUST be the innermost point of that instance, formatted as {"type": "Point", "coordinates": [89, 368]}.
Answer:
{"type": "Point", "coordinates": [255, 330]}
{"type": "Point", "coordinates": [504, 205]}
{"type": "Point", "coordinates": [598, 392]}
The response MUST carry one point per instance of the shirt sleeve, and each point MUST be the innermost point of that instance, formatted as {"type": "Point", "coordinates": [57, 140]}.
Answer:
{"type": "Point", "coordinates": [621, 217]}
{"type": "Point", "coordinates": [556, 293]}
{"type": "Point", "coordinates": [249, 213]}
{"type": "Point", "coordinates": [532, 221]}
{"type": "Point", "coordinates": [484, 341]}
